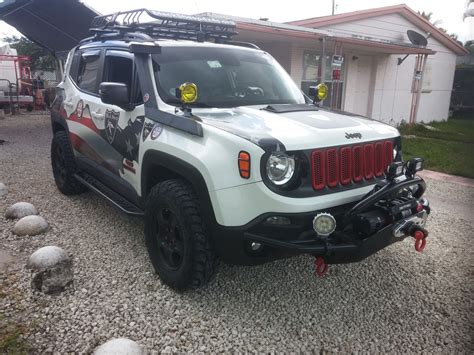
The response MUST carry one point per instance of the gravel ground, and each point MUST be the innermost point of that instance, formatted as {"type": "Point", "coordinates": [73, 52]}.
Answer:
{"type": "Point", "coordinates": [395, 301]}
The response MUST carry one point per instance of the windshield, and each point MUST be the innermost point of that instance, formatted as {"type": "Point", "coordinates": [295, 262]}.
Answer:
{"type": "Point", "coordinates": [225, 77]}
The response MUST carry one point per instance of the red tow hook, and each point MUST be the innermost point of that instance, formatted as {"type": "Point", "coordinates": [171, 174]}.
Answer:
{"type": "Point", "coordinates": [321, 266]}
{"type": "Point", "coordinates": [420, 240]}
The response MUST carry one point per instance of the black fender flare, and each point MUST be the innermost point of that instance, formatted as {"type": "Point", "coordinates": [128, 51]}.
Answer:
{"type": "Point", "coordinates": [185, 170]}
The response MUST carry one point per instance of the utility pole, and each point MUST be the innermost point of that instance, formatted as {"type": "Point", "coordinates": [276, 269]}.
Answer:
{"type": "Point", "coordinates": [333, 6]}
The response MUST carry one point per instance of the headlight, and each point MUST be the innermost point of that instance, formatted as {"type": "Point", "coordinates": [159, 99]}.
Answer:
{"type": "Point", "coordinates": [280, 168]}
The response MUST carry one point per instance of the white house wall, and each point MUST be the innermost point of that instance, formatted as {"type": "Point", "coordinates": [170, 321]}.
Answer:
{"type": "Point", "coordinates": [392, 84]}
{"type": "Point", "coordinates": [280, 51]}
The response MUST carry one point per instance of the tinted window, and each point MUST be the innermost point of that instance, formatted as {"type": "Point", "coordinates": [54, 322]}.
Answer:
{"type": "Point", "coordinates": [119, 68]}
{"type": "Point", "coordinates": [88, 71]}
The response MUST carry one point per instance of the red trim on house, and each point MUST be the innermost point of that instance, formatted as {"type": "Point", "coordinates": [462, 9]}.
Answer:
{"type": "Point", "coordinates": [404, 10]}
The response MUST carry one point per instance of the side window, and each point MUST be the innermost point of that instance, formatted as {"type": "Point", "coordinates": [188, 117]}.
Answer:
{"type": "Point", "coordinates": [119, 68]}
{"type": "Point", "coordinates": [88, 71]}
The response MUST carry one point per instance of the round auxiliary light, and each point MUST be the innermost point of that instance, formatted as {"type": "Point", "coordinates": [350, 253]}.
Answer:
{"type": "Point", "coordinates": [324, 224]}
{"type": "Point", "coordinates": [280, 168]}
{"type": "Point", "coordinates": [189, 93]}
{"type": "Point", "coordinates": [322, 91]}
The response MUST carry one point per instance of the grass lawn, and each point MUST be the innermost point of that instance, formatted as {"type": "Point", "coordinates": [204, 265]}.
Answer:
{"type": "Point", "coordinates": [449, 149]}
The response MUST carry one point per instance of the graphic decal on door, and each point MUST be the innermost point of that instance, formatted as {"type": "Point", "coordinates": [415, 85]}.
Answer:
{"type": "Point", "coordinates": [147, 129]}
{"type": "Point", "coordinates": [111, 122]}
{"type": "Point", "coordinates": [127, 139]}
{"type": "Point", "coordinates": [121, 146]}
{"type": "Point", "coordinates": [79, 109]}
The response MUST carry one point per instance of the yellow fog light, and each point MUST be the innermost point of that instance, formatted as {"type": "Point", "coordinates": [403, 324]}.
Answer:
{"type": "Point", "coordinates": [322, 91]}
{"type": "Point", "coordinates": [188, 93]}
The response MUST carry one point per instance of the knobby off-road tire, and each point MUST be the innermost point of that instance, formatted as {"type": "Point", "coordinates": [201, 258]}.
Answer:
{"type": "Point", "coordinates": [176, 236]}
{"type": "Point", "coordinates": [64, 165]}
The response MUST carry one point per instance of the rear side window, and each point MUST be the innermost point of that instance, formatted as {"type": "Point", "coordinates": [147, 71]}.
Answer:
{"type": "Point", "coordinates": [88, 71]}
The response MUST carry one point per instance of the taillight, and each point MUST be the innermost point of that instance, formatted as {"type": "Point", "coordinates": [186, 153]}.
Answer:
{"type": "Point", "coordinates": [244, 164]}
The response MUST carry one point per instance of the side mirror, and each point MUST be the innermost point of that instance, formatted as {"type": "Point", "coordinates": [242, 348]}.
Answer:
{"type": "Point", "coordinates": [115, 94]}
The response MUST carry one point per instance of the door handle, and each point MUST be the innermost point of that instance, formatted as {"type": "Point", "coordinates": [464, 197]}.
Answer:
{"type": "Point", "coordinates": [97, 115]}
{"type": "Point", "coordinates": [68, 103]}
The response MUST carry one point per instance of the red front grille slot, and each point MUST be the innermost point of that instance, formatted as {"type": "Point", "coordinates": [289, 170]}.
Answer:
{"type": "Point", "coordinates": [350, 164]}
{"type": "Point", "coordinates": [318, 171]}
{"type": "Point", "coordinates": [332, 165]}
{"type": "Point", "coordinates": [345, 169]}
{"type": "Point", "coordinates": [368, 161]}
{"type": "Point", "coordinates": [379, 159]}
{"type": "Point", "coordinates": [388, 147]}
{"type": "Point", "coordinates": [358, 163]}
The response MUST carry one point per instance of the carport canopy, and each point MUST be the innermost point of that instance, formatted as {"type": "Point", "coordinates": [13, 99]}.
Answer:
{"type": "Point", "coordinates": [57, 25]}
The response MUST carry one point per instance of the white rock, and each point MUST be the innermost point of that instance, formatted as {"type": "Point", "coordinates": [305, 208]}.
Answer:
{"type": "Point", "coordinates": [52, 269]}
{"type": "Point", "coordinates": [3, 189]}
{"type": "Point", "coordinates": [30, 225]}
{"type": "Point", "coordinates": [119, 346]}
{"type": "Point", "coordinates": [20, 209]}
{"type": "Point", "coordinates": [46, 257]}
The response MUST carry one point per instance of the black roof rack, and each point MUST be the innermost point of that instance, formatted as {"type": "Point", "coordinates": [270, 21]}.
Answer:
{"type": "Point", "coordinates": [158, 25]}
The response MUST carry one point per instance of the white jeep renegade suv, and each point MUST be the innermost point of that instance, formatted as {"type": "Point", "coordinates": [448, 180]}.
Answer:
{"type": "Point", "coordinates": [224, 156]}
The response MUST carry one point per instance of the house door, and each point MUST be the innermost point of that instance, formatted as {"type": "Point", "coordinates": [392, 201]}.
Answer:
{"type": "Point", "coordinates": [362, 92]}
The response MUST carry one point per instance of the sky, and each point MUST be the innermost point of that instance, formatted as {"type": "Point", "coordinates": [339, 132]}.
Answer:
{"type": "Point", "coordinates": [449, 13]}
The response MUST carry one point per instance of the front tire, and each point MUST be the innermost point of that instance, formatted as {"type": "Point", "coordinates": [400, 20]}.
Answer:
{"type": "Point", "coordinates": [176, 236]}
{"type": "Point", "coordinates": [64, 165]}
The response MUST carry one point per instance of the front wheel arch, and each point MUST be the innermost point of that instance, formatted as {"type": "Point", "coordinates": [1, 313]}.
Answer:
{"type": "Point", "coordinates": [158, 167]}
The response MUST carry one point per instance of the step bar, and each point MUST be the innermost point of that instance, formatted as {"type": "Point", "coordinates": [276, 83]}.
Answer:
{"type": "Point", "coordinates": [116, 199]}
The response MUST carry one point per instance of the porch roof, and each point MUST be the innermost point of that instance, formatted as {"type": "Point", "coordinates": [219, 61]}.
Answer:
{"type": "Point", "coordinates": [256, 30]}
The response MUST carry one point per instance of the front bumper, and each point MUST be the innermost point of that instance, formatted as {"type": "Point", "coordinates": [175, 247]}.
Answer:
{"type": "Point", "coordinates": [345, 245]}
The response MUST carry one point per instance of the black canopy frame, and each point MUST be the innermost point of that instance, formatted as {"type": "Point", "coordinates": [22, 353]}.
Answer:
{"type": "Point", "coordinates": [57, 25]}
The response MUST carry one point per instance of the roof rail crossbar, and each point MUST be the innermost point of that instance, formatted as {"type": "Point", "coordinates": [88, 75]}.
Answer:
{"type": "Point", "coordinates": [163, 25]}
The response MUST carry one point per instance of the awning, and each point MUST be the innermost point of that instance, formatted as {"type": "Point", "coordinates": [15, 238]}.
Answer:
{"type": "Point", "coordinates": [57, 25]}
{"type": "Point", "coordinates": [259, 30]}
